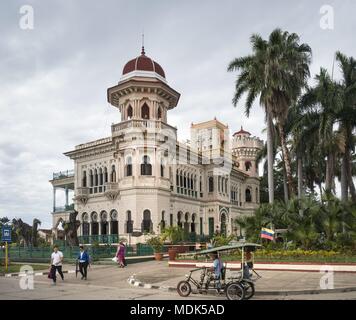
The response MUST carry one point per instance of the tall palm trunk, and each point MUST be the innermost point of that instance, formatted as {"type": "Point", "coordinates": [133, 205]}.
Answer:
{"type": "Point", "coordinates": [300, 176]}
{"type": "Point", "coordinates": [286, 159]}
{"type": "Point", "coordinates": [349, 176]}
{"type": "Point", "coordinates": [330, 174]}
{"type": "Point", "coordinates": [270, 158]}
{"type": "Point", "coordinates": [344, 184]}
{"type": "Point", "coordinates": [285, 186]}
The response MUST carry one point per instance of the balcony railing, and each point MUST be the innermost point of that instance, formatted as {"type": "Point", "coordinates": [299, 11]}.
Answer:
{"type": "Point", "coordinates": [137, 123]}
{"type": "Point", "coordinates": [64, 208]}
{"type": "Point", "coordinates": [63, 174]}
{"type": "Point", "coordinates": [112, 186]}
{"type": "Point", "coordinates": [82, 191]}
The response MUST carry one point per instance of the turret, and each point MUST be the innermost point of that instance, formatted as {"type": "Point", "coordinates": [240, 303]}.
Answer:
{"type": "Point", "coordinates": [246, 147]}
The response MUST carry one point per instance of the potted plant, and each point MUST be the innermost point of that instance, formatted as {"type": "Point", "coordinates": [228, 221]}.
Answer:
{"type": "Point", "coordinates": [174, 234]}
{"type": "Point", "coordinates": [157, 244]}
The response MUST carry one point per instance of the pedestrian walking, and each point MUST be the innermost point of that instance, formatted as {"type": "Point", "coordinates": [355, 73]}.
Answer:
{"type": "Point", "coordinates": [56, 264]}
{"type": "Point", "coordinates": [120, 254]}
{"type": "Point", "coordinates": [83, 258]}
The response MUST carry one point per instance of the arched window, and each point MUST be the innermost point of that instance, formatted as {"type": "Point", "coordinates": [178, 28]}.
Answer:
{"type": "Point", "coordinates": [96, 178]}
{"type": "Point", "coordinates": [129, 112]}
{"type": "Point", "coordinates": [101, 177]}
{"type": "Point", "coordinates": [145, 112]}
{"type": "Point", "coordinates": [91, 178]}
{"type": "Point", "coordinates": [211, 184]}
{"type": "Point", "coordinates": [84, 179]}
{"type": "Point", "coordinates": [146, 222]}
{"type": "Point", "coordinates": [248, 195]}
{"type": "Point", "coordinates": [159, 113]}
{"type": "Point", "coordinates": [185, 181]}
{"type": "Point", "coordinates": [146, 167]}
{"type": "Point", "coordinates": [225, 185]}
{"type": "Point", "coordinates": [113, 174]}
{"type": "Point", "coordinates": [257, 200]}
{"type": "Point", "coordinates": [248, 165]}
{"type": "Point", "coordinates": [105, 175]}
{"type": "Point", "coordinates": [128, 167]}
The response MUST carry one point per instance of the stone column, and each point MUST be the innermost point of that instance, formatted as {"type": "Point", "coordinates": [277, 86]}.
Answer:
{"type": "Point", "coordinates": [109, 226]}
{"type": "Point", "coordinates": [66, 191]}
{"type": "Point", "coordinates": [54, 199]}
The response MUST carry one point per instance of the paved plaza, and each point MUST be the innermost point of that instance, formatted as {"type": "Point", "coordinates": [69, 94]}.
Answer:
{"type": "Point", "coordinates": [109, 282]}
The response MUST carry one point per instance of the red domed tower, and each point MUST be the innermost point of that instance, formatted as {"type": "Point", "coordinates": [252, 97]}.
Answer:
{"type": "Point", "coordinates": [142, 92]}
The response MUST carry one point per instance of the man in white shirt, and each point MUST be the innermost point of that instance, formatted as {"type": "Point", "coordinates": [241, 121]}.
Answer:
{"type": "Point", "coordinates": [56, 264]}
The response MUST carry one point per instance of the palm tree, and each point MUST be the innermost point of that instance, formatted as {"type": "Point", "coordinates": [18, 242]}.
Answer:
{"type": "Point", "coordinates": [347, 118]}
{"type": "Point", "coordinates": [320, 104]}
{"type": "Point", "coordinates": [276, 72]}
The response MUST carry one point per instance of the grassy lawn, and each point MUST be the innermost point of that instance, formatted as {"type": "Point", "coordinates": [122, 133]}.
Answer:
{"type": "Point", "coordinates": [13, 268]}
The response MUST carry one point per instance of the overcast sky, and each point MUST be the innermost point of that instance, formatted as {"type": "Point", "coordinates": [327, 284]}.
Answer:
{"type": "Point", "coordinates": [53, 79]}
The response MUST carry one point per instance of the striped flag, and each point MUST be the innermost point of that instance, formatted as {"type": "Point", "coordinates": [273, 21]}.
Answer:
{"type": "Point", "coordinates": [267, 233]}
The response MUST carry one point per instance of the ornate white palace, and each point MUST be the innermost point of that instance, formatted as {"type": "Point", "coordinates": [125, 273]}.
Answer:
{"type": "Point", "coordinates": [141, 179]}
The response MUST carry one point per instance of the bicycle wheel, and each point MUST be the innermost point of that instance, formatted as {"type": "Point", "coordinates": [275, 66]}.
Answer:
{"type": "Point", "coordinates": [249, 289]}
{"type": "Point", "coordinates": [184, 289]}
{"type": "Point", "coordinates": [235, 291]}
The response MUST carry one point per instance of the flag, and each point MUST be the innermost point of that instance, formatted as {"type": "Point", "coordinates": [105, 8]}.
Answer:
{"type": "Point", "coordinates": [267, 233]}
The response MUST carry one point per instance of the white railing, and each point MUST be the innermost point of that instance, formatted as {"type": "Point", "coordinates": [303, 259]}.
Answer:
{"type": "Point", "coordinates": [137, 123]}
{"type": "Point", "coordinates": [93, 143]}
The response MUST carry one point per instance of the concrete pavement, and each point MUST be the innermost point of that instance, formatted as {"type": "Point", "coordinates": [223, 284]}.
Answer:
{"type": "Point", "coordinates": [110, 282]}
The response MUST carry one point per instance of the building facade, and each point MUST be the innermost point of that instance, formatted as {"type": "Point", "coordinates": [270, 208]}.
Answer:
{"type": "Point", "coordinates": [141, 179]}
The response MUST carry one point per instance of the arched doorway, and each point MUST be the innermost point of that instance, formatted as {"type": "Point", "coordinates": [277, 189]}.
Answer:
{"type": "Point", "coordinates": [104, 223]}
{"type": "Point", "coordinates": [85, 224]}
{"type": "Point", "coordinates": [94, 224]}
{"type": "Point", "coordinates": [146, 222]}
{"type": "Point", "coordinates": [248, 196]}
{"type": "Point", "coordinates": [129, 112]}
{"type": "Point", "coordinates": [114, 227]}
{"type": "Point", "coordinates": [129, 222]}
{"type": "Point", "coordinates": [192, 225]}
{"type": "Point", "coordinates": [186, 222]}
{"type": "Point", "coordinates": [179, 219]}
{"type": "Point", "coordinates": [145, 112]}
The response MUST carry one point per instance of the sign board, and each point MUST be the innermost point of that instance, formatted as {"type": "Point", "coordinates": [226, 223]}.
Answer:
{"type": "Point", "coordinates": [6, 234]}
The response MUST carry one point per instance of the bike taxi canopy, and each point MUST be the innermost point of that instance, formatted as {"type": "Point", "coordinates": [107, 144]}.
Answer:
{"type": "Point", "coordinates": [244, 245]}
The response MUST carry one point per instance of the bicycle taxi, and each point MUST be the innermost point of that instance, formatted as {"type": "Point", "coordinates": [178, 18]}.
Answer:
{"type": "Point", "coordinates": [238, 285]}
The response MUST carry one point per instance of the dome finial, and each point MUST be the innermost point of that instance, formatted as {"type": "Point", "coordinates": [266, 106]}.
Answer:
{"type": "Point", "coordinates": [143, 43]}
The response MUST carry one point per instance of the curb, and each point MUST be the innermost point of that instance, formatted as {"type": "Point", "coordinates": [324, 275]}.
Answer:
{"type": "Point", "coordinates": [9, 275]}
{"type": "Point", "coordinates": [136, 283]}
